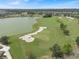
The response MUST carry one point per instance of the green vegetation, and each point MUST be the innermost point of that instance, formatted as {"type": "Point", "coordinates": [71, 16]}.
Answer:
{"type": "Point", "coordinates": [63, 27]}
{"type": "Point", "coordinates": [66, 32]}
{"type": "Point", "coordinates": [44, 40]}
{"type": "Point", "coordinates": [4, 40]}
{"type": "Point", "coordinates": [57, 51]}
{"type": "Point", "coordinates": [77, 41]}
{"type": "Point", "coordinates": [48, 15]}
{"type": "Point", "coordinates": [31, 56]}
{"type": "Point", "coordinates": [67, 49]}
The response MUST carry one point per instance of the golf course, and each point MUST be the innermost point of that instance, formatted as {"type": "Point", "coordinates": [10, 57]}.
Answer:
{"type": "Point", "coordinates": [44, 40]}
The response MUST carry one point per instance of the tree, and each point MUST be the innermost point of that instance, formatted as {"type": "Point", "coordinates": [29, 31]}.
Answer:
{"type": "Point", "coordinates": [56, 51]}
{"type": "Point", "coordinates": [31, 56]}
{"type": "Point", "coordinates": [66, 32]}
{"type": "Point", "coordinates": [63, 26]}
{"type": "Point", "coordinates": [48, 15]}
{"type": "Point", "coordinates": [77, 41]}
{"type": "Point", "coordinates": [67, 49]}
{"type": "Point", "coordinates": [78, 21]}
{"type": "Point", "coordinates": [4, 40]}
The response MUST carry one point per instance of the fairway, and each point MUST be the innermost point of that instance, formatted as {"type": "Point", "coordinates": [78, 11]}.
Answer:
{"type": "Point", "coordinates": [45, 39]}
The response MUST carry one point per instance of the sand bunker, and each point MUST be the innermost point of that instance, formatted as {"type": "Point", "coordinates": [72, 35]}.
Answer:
{"type": "Point", "coordinates": [29, 38]}
{"type": "Point", "coordinates": [60, 17]}
{"type": "Point", "coordinates": [70, 18]}
{"type": "Point", "coordinates": [6, 50]}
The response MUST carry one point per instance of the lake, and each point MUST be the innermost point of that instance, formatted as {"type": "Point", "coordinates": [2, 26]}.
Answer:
{"type": "Point", "coordinates": [18, 25]}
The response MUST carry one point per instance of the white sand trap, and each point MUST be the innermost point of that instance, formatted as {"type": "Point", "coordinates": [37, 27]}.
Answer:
{"type": "Point", "coordinates": [6, 50]}
{"type": "Point", "coordinates": [70, 18]}
{"type": "Point", "coordinates": [29, 38]}
{"type": "Point", "coordinates": [60, 17]}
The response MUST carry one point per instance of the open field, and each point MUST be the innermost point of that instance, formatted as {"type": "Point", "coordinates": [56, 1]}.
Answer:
{"type": "Point", "coordinates": [45, 39]}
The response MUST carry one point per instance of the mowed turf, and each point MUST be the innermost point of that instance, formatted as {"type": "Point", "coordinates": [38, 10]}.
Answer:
{"type": "Point", "coordinates": [44, 40]}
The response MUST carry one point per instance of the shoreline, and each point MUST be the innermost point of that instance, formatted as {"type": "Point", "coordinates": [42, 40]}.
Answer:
{"type": "Point", "coordinates": [19, 17]}
{"type": "Point", "coordinates": [20, 33]}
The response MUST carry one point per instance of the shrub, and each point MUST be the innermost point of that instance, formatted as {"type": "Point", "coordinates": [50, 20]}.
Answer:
{"type": "Point", "coordinates": [77, 41]}
{"type": "Point", "coordinates": [47, 15]}
{"type": "Point", "coordinates": [4, 40]}
{"type": "Point", "coordinates": [66, 32]}
{"type": "Point", "coordinates": [56, 51]}
{"type": "Point", "coordinates": [67, 49]}
{"type": "Point", "coordinates": [31, 56]}
{"type": "Point", "coordinates": [63, 26]}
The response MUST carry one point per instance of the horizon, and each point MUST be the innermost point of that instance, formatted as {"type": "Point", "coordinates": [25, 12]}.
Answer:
{"type": "Point", "coordinates": [37, 8]}
{"type": "Point", "coordinates": [39, 4]}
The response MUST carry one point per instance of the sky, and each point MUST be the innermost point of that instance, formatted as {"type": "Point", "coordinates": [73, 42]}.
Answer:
{"type": "Point", "coordinates": [35, 4]}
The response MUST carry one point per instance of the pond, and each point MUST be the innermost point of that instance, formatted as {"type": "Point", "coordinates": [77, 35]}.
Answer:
{"type": "Point", "coordinates": [18, 25]}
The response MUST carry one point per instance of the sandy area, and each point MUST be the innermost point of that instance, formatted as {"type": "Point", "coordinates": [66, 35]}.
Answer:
{"type": "Point", "coordinates": [70, 17]}
{"type": "Point", "coordinates": [67, 17]}
{"type": "Point", "coordinates": [6, 50]}
{"type": "Point", "coordinates": [29, 38]}
{"type": "Point", "coordinates": [60, 17]}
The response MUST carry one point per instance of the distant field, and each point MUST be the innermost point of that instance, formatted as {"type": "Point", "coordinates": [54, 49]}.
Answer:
{"type": "Point", "coordinates": [44, 40]}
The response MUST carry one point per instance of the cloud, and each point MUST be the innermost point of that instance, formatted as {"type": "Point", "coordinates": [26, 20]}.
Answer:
{"type": "Point", "coordinates": [14, 3]}
{"type": "Point", "coordinates": [17, 2]}
{"type": "Point", "coordinates": [40, 4]}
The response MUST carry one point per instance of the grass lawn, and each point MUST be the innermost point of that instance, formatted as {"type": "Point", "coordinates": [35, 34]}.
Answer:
{"type": "Point", "coordinates": [44, 40]}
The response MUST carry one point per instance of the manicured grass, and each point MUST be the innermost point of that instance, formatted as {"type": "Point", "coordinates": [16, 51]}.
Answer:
{"type": "Point", "coordinates": [44, 40]}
